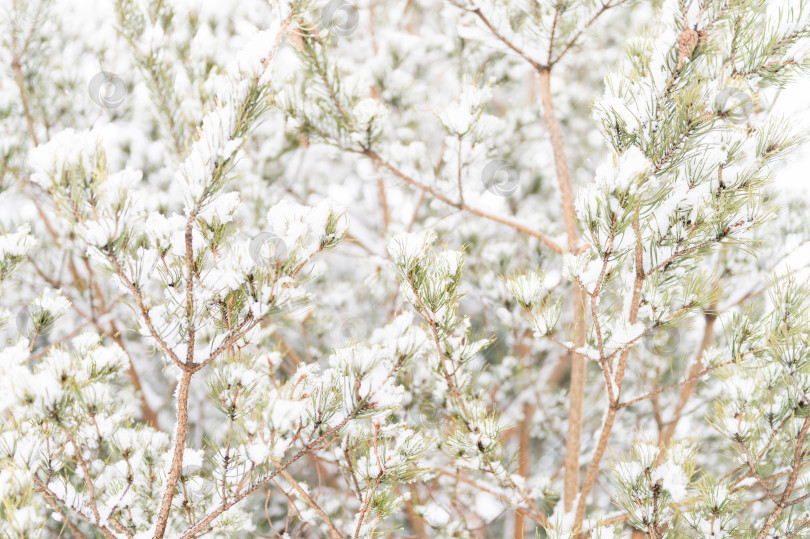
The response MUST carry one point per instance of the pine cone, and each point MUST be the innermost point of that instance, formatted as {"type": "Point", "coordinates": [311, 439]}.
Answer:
{"type": "Point", "coordinates": [686, 45]}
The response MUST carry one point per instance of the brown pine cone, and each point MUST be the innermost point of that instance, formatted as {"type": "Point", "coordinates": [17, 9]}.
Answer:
{"type": "Point", "coordinates": [686, 45]}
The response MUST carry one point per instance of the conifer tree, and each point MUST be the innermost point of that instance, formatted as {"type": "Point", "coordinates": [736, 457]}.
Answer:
{"type": "Point", "coordinates": [434, 268]}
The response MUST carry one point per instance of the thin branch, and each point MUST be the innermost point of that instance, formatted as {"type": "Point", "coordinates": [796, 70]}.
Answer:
{"type": "Point", "coordinates": [798, 455]}
{"type": "Point", "coordinates": [20, 80]}
{"type": "Point", "coordinates": [312, 503]}
{"type": "Point", "coordinates": [613, 408]}
{"type": "Point", "coordinates": [477, 12]}
{"type": "Point", "coordinates": [545, 240]}
{"type": "Point", "coordinates": [573, 40]}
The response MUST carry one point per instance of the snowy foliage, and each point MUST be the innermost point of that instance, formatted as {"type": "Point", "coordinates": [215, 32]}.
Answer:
{"type": "Point", "coordinates": [438, 268]}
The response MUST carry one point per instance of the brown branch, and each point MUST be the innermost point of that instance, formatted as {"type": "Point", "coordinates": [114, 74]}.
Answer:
{"type": "Point", "coordinates": [545, 240]}
{"type": "Point", "coordinates": [539, 518]}
{"type": "Point", "coordinates": [142, 307]}
{"type": "Point", "coordinates": [756, 475]}
{"type": "Point", "coordinates": [798, 455]}
{"type": "Point", "coordinates": [330, 436]}
{"type": "Point", "coordinates": [695, 374]}
{"type": "Point", "coordinates": [384, 204]}
{"type": "Point", "coordinates": [449, 377]}
{"type": "Point", "coordinates": [366, 503]}
{"type": "Point", "coordinates": [88, 481]}
{"type": "Point", "coordinates": [477, 11]}
{"type": "Point", "coordinates": [150, 416]}
{"type": "Point", "coordinates": [417, 522]}
{"type": "Point", "coordinates": [205, 522]}
{"type": "Point", "coordinates": [613, 408]}
{"type": "Point", "coordinates": [52, 502]}
{"type": "Point", "coordinates": [577, 387]}
{"type": "Point", "coordinates": [689, 382]}
{"type": "Point", "coordinates": [46, 492]}
{"type": "Point", "coordinates": [557, 9]}
{"type": "Point", "coordinates": [190, 286]}
{"type": "Point", "coordinates": [181, 433]}
{"type": "Point", "coordinates": [524, 461]}
{"type": "Point", "coordinates": [573, 40]}
{"type": "Point", "coordinates": [20, 80]}
{"type": "Point", "coordinates": [560, 161]}
{"type": "Point", "coordinates": [312, 503]}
